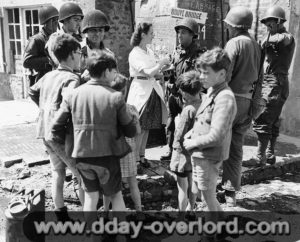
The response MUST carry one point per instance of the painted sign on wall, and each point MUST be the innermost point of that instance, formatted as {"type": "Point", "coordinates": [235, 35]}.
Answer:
{"type": "Point", "coordinates": [200, 17]}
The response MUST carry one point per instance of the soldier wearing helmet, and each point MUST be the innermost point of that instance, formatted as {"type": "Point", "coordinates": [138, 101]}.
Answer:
{"type": "Point", "coordinates": [70, 15]}
{"type": "Point", "coordinates": [183, 60]}
{"type": "Point", "coordinates": [279, 49]}
{"type": "Point", "coordinates": [94, 26]}
{"type": "Point", "coordinates": [245, 54]}
{"type": "Point", "coordinates": [35, 57]}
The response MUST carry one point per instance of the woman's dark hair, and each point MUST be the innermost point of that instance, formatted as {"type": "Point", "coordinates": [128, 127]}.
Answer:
{"type": "Point", "coordinates": [136, 37]}
{"type": "Point", "coordinates": [189, 82]}
{"type": "Point", "coordinates": [64, 45]}
{"type": "Point", "coordinates": [99, 61]}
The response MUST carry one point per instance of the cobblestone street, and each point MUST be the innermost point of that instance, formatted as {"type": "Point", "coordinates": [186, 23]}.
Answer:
{"type": "Point", "coordinates": [274, 188]}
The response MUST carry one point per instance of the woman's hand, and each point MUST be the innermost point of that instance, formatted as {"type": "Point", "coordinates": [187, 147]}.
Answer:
{"type": "Point", "coordinates": [164, 61]}
{"type": "Point", "coordinates": [188, 134]}
{"type": "Point", "coordinates": [159, 75]}
{"type": "Point", "coordinates": [189, 144]}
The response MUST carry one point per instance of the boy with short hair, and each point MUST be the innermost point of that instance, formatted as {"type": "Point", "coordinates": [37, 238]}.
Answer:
{"type": "Point", "coordinates": [189, 87]}
{"type": "Point", "coordinates": [48, 93]}
{"type": "Point", "coordinates": [129, 162]}
{"type": "Point", "coordinates": [100, 120]}
{"type": "Point", "coordinates": [209, 140]}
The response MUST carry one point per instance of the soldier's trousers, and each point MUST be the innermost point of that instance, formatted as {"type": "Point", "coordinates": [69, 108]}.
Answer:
{"type": "Point", "coordinates": [232, 167]}
{"type": "Point", "coordinates": [275, 91]}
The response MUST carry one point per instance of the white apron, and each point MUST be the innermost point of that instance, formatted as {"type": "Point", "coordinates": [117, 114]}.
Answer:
{"type": "Point", "coordinates": [140, 91]}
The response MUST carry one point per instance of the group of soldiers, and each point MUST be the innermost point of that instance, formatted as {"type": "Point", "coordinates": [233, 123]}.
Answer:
{"type": "Point", "coordinates": [258, 76]}
{"type": "Point", "coordinates": [246, 77]}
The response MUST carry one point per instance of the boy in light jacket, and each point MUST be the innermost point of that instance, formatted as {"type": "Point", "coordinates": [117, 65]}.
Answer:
{"type": "Point", "coordinates": [209, 139]}
{"type": "Point", "coordinates": [48, 93]}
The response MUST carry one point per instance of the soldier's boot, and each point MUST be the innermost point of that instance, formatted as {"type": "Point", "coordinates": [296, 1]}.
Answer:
{"type": "Point", "coordinates": [270, 155]}
{"type": "Point", "coordinates": [260, 159]}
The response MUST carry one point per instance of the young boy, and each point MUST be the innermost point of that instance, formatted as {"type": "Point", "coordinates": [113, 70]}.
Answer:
{"type": "Point", "coordinates": [189, 86]}
{"type": "Point", "coordinates": [209, 140]}
{"type": "Point", "coordinates": [47, 93]}
{"type": "Point", "coordinates": [100, 120]}
{"type": "Point", "coordinates": [129, 162]}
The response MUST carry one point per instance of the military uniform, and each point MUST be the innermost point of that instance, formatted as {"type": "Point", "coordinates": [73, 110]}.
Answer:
{"type": "Point", "coordinates": [245, 55]}
{"type": "Point", "coordinates": [279, 53]}
{"type": "Point", "coordinates": [279, 48]}
{"type": "Point", "coordinates": [66, 11]}
{"type": "Point", "coordinates": [35, 57]}
{"type": "Point", "coordinates": [49, 47]}
{"type": "Point", "coordinates": [183, 60]}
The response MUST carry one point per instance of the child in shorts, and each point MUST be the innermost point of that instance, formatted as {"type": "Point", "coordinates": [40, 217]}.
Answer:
{"type": "Point", "coordinates": [100, 120]}
{"type": "Point", "coordinates": [48, 93]}
{"type": "Point", "coordinates": [209, 139]}
{"type": "Point", "coordinates": [189, 86]}
{"type": "Point", "coordinates": [129, 162]}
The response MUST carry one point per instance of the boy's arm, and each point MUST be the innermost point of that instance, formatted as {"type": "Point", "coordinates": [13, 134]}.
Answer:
{"type": "Point", "coordinates": [186, 119]}
{"type": "Point", "coordinates": [34, 91]}
{"type": "Point", "coordinates": [222, 117]}
{"type": "Point", "coordinates": [125, 119]}
{"type": "Point", "coordinates": [59, 122]}
{"type": "Point", "coordinates": [69, 85]}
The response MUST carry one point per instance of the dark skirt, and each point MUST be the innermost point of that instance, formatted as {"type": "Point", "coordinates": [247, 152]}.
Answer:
{"type": "Point", "coordinates": [151, 117]}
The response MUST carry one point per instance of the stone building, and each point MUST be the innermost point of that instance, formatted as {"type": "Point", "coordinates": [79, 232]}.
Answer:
{"type": "Point", "coordinates": [18, 20]}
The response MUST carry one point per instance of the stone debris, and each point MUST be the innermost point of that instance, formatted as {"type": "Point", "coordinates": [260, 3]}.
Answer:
{"type": "Point", "coordinates": [10, 160]}
{"type": "Point", "coordinates": [25, 173]}
{"type": "Point", "coordinates": [4, 174]}
{"type": "Point", "coordinates": [31, 161]}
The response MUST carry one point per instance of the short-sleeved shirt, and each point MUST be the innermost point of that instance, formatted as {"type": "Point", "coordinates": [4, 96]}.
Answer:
{"type": "Point", "coordinates": [140, 89]}
{"type": "Point", "coordinates": [140, 59]}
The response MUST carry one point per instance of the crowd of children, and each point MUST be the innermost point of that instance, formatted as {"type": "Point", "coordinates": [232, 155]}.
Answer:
{"type": "Point", "coordinates": [92, 130]}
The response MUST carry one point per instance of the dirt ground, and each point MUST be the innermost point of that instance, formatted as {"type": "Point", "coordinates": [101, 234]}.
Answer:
{"type": "Point", "coordinates": [280, 194]}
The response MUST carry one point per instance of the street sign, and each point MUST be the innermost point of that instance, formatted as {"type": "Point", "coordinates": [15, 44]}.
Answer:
{"type": "Point", "coordinates": [200, 17]}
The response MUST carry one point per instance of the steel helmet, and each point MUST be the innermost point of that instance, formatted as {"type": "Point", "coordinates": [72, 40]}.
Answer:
{"type": "Point", "coordinates": [239, 17]}
{"type": "Point", "coordinates": [68, 10]}
{"type": "Point", "coordinates": [189, 24]}
{"type": "Point", "coordinates": [274, 12]}
{"type": "Point", "coordinates": [95, 19]}
{"type": "Point", "coordinates": [46, 13]}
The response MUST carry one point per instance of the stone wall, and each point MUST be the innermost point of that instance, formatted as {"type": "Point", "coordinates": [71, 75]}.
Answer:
{"type": "Point", "coordinates": [118, 37]}
{"type": "Point", "coordinates": [216, 10]}
{"type": "Point", "coordinates": [159, 12]}
{"type": "Point", "coordinates": [291, 114]}
{"type": "Point", "coordinates": [5, 90]}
